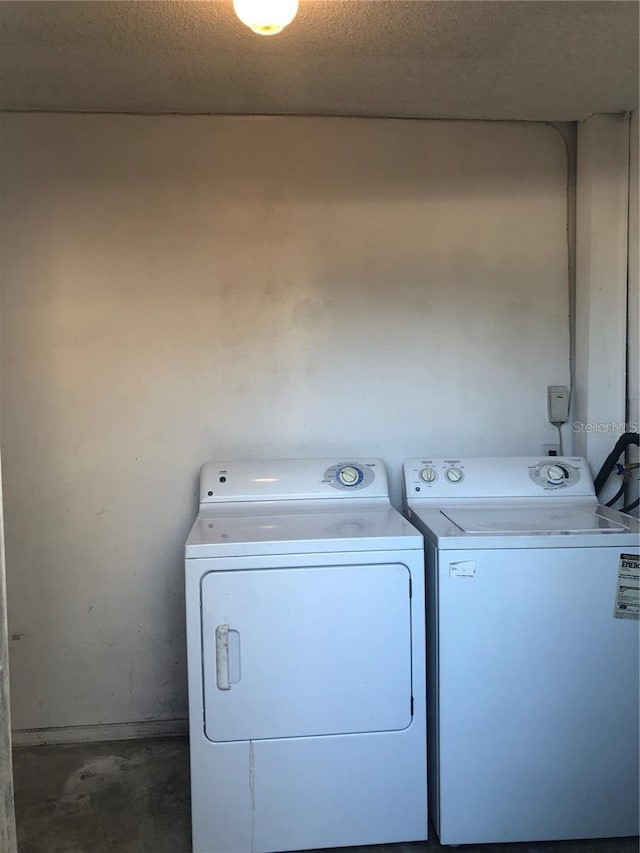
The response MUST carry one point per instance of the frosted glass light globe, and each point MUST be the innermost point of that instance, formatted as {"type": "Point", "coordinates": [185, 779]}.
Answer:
{"type": "Point", "coordinates": [266, 17]}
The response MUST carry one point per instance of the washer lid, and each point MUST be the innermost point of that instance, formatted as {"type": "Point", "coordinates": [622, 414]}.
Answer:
{"type": "Point", "coordinates": [321, 529]}
{"type": "Point", "coordinates": [556, 519]}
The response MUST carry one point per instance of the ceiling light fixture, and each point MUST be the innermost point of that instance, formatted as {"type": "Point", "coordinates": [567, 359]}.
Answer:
{"type": "Point", "coordinates": [266, 17]}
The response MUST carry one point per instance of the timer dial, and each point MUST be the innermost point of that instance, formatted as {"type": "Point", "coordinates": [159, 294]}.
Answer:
{"type": "Point", "coordinates": [349, 476]}
{"type": "Point", "coordinates": [428, 475]}
{"type": "Point", "coordinates": [554, 473]}
{"type": "Point", "coordinates": [454, 475]}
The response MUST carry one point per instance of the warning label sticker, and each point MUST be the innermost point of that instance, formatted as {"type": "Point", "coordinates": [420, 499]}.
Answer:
{"type": "Point", "coordinates": [628, 590]}
{"type": "Point", "coordinates": [462, 569]}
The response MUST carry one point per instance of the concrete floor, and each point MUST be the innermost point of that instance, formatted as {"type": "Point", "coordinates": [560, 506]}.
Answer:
{"type": "Point", "coordinates": [133, 797]}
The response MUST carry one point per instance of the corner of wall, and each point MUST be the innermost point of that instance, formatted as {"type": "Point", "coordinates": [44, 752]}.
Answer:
{"type": "Point", "coordinates": [602, 189]}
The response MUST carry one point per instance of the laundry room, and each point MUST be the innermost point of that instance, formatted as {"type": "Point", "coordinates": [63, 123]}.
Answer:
{"type": "Point", "coordinates": [382, 232]}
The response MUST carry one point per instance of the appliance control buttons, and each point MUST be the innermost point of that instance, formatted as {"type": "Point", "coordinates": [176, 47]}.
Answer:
{"type": "Point", "coordinates": [428, 475]}
{"type": "Point", "coordinates": [349, 475]}
{"type": "Point", "coordinates": [454, 475]}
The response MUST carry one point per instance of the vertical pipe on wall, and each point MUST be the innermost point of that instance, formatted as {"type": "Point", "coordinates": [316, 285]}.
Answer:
{"type": "Point", "coordinates": [8, 842]}
{"type": "Point", "coordinates": [633, 308]}
{"type": "Point", "coordinates": [568, 132]}
{"type": "Point", "coordinates": [601, 287]}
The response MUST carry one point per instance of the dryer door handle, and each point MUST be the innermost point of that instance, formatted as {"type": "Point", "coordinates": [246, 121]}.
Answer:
{"type": "Point", "coordinates": [227, 657]}
{"type": "Point", "coordinates": [222, 657]}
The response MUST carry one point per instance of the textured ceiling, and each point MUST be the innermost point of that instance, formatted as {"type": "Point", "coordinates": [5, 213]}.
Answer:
{"type": "Point", "coordinates": [502, 60]}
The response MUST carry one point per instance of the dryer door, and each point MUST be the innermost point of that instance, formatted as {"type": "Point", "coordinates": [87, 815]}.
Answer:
{"type": "Point", "coordinates": [306, 651]}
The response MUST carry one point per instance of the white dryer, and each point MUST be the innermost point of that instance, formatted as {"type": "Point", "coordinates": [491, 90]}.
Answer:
{"type": "Point", "coordinates": [306, 659]}
{"type": "Point", "coordinates": [532, 592]}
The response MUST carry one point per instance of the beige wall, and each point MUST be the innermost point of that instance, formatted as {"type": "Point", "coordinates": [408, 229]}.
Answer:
{"type": "Point", "coordinates": [183, 289]}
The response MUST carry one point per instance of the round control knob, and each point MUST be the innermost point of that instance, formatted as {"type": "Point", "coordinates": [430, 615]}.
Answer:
{"type": "Point", "coordinates": [349, 476]}
{"type": "Point", "coordinates": [555, 473]}
{"type": "Point", "coordinates": [428, 475]}
{"type": "Point", "coordinates": [454, 475]}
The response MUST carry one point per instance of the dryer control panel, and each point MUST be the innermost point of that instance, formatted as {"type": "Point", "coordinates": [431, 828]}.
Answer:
{"type": "Point", "coordinates": [497, 477]}
{"type": "Point", "coordinates": [293, 479]}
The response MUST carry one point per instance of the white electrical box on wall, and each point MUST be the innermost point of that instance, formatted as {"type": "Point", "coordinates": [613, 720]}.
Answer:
{"type": "Point", "coordinates": [558, 404]}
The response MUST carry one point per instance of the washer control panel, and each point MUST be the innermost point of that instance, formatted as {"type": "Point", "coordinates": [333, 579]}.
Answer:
{"type": "Point", "coordinates": [349, 476]}
{"type": "Point", "coordinates": [428, 473]}
{"type": "Point", "coordinates": [499, 477]}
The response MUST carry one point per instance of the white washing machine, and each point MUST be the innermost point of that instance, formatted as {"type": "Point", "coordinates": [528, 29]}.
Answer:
{"type": "Point", "coordinates": [306, 659]}
{"type": "Point", "coordinates": [532, 614]}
